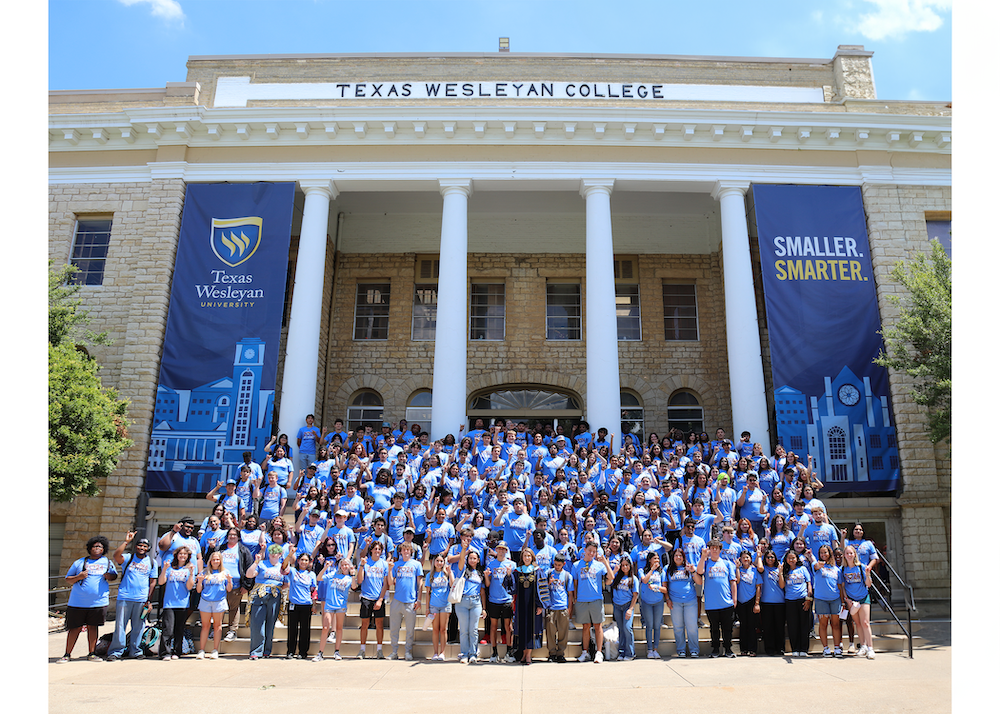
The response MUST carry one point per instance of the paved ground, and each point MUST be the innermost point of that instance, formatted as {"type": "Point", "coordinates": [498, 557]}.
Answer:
{"type": "Point", "coordinates": [892, 680]}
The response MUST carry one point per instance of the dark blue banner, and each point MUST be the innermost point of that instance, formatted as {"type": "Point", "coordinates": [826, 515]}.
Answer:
{"type": "Point", "coordinates": [215, 396]}
{"type": "Point", "coordinates": [831, 402]}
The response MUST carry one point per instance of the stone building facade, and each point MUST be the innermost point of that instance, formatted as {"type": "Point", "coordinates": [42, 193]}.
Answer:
{"type": "Point", "coordinates": [527, 168]}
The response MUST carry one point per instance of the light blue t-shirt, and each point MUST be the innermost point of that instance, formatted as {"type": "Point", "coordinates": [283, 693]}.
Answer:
{"type": "Point", "coordinates": [437, 583]}
{"type": "Point", "coordinates": [746, 587]}
{"type": "Point", "coordinates": [719, 576]}
{"type": "Point", "coordinates": [588, 578]}
{"type": "Point", "coordinates": [560, 585]}
{"type": "Point", "coordinates": [375, 574]}
{"type": "Point", "coordinates": [825, 582]}
{"type": "Point", "coordinates": [134, 586]}
{"type": "Point", "coordinates": [622, 593]}
{"type": "Point", "coordinates": [213, 587]}
{"type": "Point", "coordinates": [680, 586]}
{"type": "Point", "coordinates": [498, 571]}
{"type": "Point", "coordinates": [338, 585]}
{"type": "Point", "coordinates": [649, 592]}
{"type": "Point", "coordinates": [797, 583]}
{"type": "Point", "coordinates": [175, 592]}
{"type": "Point", "coordinates": [92, 591]}
{"type": "Point", "coordinates": [406, 574]}
{"type": "Point", "coordinates": [300, 586]}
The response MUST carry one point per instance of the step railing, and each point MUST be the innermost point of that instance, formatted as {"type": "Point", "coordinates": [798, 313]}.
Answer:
{"type": "Point", "coordinates": [883, 592]}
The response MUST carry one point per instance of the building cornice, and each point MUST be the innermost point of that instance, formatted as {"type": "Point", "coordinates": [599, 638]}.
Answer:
{"type": "Point", "coordinates": [503, 175]}
{"type": "Point", "coordinates": [152, 127]}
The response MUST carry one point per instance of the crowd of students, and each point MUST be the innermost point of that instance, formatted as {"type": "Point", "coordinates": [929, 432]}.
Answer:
{"type": "Point", "coordinates": [529, 531]}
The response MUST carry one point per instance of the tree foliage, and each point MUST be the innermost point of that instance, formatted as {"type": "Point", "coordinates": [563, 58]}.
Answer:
{"type": "Point", "coordinates": [88, 427]}
{"type": "Point", "coordinates": [919, 344]}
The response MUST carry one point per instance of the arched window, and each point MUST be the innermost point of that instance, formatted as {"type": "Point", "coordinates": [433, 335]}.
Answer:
{"type": "Point", "coordinates": [365, 409]}
{"type": "Point", "coordinates": [684, 412]}
{"type": "Point", "coordinates": [418, 410]}
{"type": "Point", "coordinates": [536, 405]}
{"type": "Point", "coordinates": [633, 417]}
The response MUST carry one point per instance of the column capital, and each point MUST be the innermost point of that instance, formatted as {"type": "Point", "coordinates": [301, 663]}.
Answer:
{"type": "Point", "coordinates": [726, 186]}
{"type": "Point", "coordinates": [326, 186]}
{"type": "Point", "coordinates": [463, 186]}
{"type": "Point", "coordinates": [589, 186]}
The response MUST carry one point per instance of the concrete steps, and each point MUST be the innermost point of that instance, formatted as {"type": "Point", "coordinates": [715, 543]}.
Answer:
{"type": "Point", "coordinates": [886, 637]}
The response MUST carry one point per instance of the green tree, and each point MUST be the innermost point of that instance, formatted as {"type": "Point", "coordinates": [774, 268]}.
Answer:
{"type": "Point", "coordinates": [919, 344]}
{"type": "Point", "coordinates": [88, 426]}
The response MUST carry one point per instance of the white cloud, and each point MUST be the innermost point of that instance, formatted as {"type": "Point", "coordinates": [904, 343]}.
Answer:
{"type": "Point", "coordinates": [895, 18]}
{"type": "Point", "coordinates": [169, 10]}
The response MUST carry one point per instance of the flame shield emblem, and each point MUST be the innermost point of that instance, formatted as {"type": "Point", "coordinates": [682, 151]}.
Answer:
{"type": "Point", "coordinates": [234, 240]}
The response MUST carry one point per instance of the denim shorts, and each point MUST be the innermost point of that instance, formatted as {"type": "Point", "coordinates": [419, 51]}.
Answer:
{"type": "Point", "coordinates": [216, 606]}
{"type": "Point", "coordinates": [436, 610]}
{"type": "Point", "coordinates": [827, 607]}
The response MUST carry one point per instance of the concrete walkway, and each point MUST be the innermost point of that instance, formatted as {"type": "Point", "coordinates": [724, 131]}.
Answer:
{"type": "Point", "coordinates": [890, 683]}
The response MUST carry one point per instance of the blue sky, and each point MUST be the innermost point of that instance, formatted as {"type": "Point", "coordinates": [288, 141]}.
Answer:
{"type": "Point", "coordinates": [144, 43]}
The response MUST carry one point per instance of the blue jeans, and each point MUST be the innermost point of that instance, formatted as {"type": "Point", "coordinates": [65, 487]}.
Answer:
{"type": "Point", "coordinates": [626, 638]}
{"type": "Point", "coordinates": [127, 612]}
{"type": "Point", "coordinates": [263, 615]}
{"type": "Point", "coordinates": [652, 618]}
{"type": "Point", "coordinates": [684, 616]}
{"type": "Point", "coordinates": [468, 612]}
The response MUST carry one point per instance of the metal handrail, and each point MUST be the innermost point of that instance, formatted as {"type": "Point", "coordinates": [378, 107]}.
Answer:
{"type": "Point", "coordinates": [910, 603]}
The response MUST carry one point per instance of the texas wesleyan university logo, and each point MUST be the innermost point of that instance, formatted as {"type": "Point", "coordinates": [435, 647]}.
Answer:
{"type": "Point", "coordinates": [234, 240]}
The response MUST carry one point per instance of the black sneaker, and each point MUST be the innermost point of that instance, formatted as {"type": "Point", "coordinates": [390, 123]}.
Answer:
{"type": "Point", "coordinates": [730, 654]}
{"type": "Point", "coordinates": [715, 654]}
{"type": "Point", "coordinates": [114, 658]}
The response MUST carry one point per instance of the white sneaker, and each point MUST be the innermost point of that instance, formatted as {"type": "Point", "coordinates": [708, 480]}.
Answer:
{"type": "Point", "coordinates": [827, 652]}
{"type": "Point", "coordinates": [463, 659]}
{"type": "Point", "coordinates": [230, 636]}
{"type": "Point", "coordinates": [598, 658]}
{"type": "Point", "coordinates": [852, 649]}
{"type": "Point", "coordinates": [584, 657]}
{"type": "Point", "coordinates": [215, 654]}
{"type": "Point", "coordinates": [336, 654]}
{"type": "Point", "coordinates": [200, 655]}
{"type": "Point", "coordinates": [509, 658]}
{"type": "Point", "coordinates": [862, 650]}
{"type": "Point", "coordinates": [318, 657]}
{"type": "Point", "coordinates": [838, 652]}
{"type": "Point", "coordinates": [870, 653]}
{"type": "Point", "coordinates": [408, 657]}
{"type": "Point", "coordinates": [649, 654]}
{"type": "Point", "coordinates": [331, 638]}
{"type": "Point", "coordinates": [494, 658]}
{"type": "Point", "coordinates": [656, 655]}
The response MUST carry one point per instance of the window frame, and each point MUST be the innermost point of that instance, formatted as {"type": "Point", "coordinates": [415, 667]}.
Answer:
{"type": "Point", "coordinates": [418, 333]}
{"type": "Point", "coordinates": [549, 331]}
{"type": "Point", "coordinates": [85, 272]}
{"type": "Point", "coordinates": [487, 318]}
{"type": "Point", "coordinates": [373, 317]}
{"type": "Point", "coordinates": [667, 330]}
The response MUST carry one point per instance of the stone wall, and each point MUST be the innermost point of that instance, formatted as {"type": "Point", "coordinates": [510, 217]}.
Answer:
{"type": "Point", "coordinates": [897, 229]}
{"type": "Point", "coordinates": [652, 367]}
{"type": "Point", "coordinates": [132, 306]}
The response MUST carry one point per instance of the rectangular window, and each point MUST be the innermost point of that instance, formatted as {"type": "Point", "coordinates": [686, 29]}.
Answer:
{"type": "Point", "coordinates": [90, 250]}
{"type": "Point", "coordinates": [425, 307]}
{"type": "Point", "coordinates": [562, 311]}
{"type": "Point", "coordinates": [627, 311]}
{"type": "Point", "coordinates": [680, 312]}
{"type": "Point", "coordinates": [487, 317]}
{"type": "Point", "coordinates": [371, 311]}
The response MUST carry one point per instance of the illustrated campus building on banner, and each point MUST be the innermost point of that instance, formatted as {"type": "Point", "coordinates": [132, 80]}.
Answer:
{"type": "Point", "coordinates": [199, 433]}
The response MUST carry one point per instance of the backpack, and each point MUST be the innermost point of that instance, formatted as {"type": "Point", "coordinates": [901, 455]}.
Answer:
{"type": "Point", "coordinates": [150, 642]}
{"type": "Point", "coordinates": [103, 645]}
{"type": "Point", "coordinates": [611, 641]}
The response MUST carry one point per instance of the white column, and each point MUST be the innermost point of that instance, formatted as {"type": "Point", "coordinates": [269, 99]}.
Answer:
{"type": "Point", "coordinates": [604, 403]}
{"type": "Point", "coordinates": [298, 381]}
{"type": "Point", "coordinates": [451, 332]}
{"type": "Point", "coordinates": [746, 367]}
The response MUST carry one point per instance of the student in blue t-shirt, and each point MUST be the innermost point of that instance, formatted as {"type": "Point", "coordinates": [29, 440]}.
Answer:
{"type": "Point", "coordinates": [306, 440]}
{"type": "Point", "coordinates": [795, 578]}
{"type": "Point", "coordinates": [89, 595]}
{"type": "Point", "coordinates": [652, 588]}
{"type": "Point", "coordinates": [829, 598]}
{"type": "Point", "coordinates": [856, 581]}
{"type": "Point", "coordinates": [338, 576]}
{"type": "Point", "coordinates": [624, 594]}
{"type": "Point", "coordinates": [748, 592]}
{"type": "Point", "coordinates": [301, 582]}
{"type": "Point", "coordinates": [406, 579]}
{"type": "Point", "coordinates": [683, 604]}
{"type": "Point", "coordinates": [178, 575]}
{"type": "Point", "coordinates": [719, 581]}
{"type": "Point", "coordinates": [214, 583]}
{"type": "Point", "coordinates": [139, 573]}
